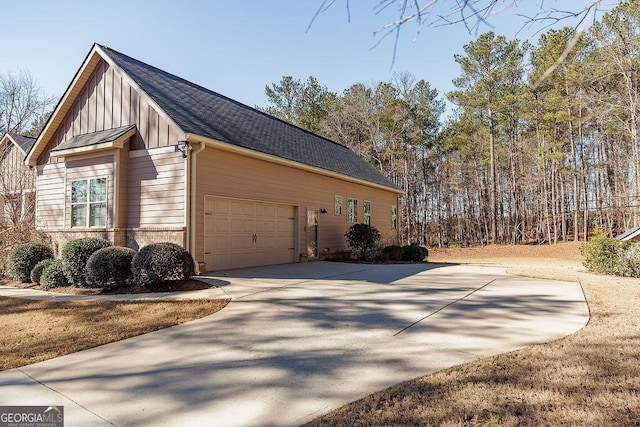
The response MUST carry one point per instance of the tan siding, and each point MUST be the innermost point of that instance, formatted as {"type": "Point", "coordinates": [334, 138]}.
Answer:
{"type": "Point", "coordinates": [156, 186]}
{"type": "Point", "coordinates": [14, 175]}
{"type": "Point", "coordinates": [109, 101]}
{"type": "Point", "coordinates": [231, 175]}
{"type": "Point", "coordinates": [50, 196]}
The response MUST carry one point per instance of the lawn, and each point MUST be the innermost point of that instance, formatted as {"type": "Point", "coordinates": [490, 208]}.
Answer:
{"type": "Point", "coordinates": [33, 331]}
{"type": "Point", "coordinates": [587, 379]}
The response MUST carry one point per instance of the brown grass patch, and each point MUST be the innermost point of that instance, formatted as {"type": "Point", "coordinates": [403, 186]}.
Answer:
{"type": "Point", "coordinates": [33, 331]}
{"type": "Point", "coordinates": [587, 379]}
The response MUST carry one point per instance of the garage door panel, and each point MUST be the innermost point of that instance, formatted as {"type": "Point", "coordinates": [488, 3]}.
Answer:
{"type": "Point", "coordinates": [240, 233]}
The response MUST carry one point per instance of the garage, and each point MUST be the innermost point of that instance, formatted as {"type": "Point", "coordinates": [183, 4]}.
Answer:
{"type": "Point", "coordinates": [246, 233]}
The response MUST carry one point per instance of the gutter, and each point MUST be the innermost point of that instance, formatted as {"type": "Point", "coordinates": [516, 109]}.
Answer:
{"type": "Point", "coordinates": [192, 190]}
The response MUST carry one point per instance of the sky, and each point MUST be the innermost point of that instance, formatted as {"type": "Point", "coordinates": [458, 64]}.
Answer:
{"type": "Point", "coordinates": [236, 47]}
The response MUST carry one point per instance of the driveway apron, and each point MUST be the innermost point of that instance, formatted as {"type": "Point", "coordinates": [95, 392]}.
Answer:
{"type": "Point", "coordinates": [299, 340]}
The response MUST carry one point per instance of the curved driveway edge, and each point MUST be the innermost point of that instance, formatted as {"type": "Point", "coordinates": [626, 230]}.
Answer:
{"type": "Point", "coordinates": [299, 340]}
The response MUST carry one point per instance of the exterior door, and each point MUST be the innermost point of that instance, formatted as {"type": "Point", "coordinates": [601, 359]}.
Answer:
{"type": "Point", "coordinates": [312, 233]}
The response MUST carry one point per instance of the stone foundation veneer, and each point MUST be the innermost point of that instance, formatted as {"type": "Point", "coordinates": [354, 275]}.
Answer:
{"type": "Point", "coordinates": [134, 238]}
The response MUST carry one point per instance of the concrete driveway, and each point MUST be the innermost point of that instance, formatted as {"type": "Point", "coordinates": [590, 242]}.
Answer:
{"type": "Point", "coordinates": [299, 340]}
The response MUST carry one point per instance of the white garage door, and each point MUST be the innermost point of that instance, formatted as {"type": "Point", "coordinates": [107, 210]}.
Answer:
{"type": "Point", "coordinates": [245, 233]}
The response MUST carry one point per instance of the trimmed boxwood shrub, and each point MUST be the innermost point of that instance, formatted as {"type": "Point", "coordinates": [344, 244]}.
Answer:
{"type": "Point", "coordinates": [414, 253]}
{"type": "Point", "coordinates": [22, 258]}
{"type": "Point", "coordinates": [36, 273]}
{"type": "Point", "coordinates": [362, 238]}
{"type": "Point", "coordinates": [109, 267]}
{"type": "Point", "coordinates": [75, 255]}
{"type": "Point", "coordinates": [392, 253]}
{"type": "Point", "coordinates": [161, 262]}
{"type": "Point", "coordinates": [53, 276]}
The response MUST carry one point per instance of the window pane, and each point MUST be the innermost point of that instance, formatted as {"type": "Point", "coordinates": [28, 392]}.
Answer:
{"type": "Point", "coordinates": [338, 205]}
{"type": "Point", "coordinates": [98, 190]}
{"type": "Point", "coordinates": [78, 191]}
{"type": "Point", "coordinates": [98, 215]}
{"type": "Point", "coordinates": [79, 215]}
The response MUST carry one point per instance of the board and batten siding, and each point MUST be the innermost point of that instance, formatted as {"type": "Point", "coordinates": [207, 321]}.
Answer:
{"type": "Point", "coordinates": [108, 101]}
{"type": "Point", "coordinates": [16, 176]}
{"type": "Point", "coordinates": [226, 174]}
{"type": "Point", "coordinates": [50, 200]}
{"type": "Point", "coordinates": [156, 188]}
{"type": "Point", "coordinates": [93, 167]}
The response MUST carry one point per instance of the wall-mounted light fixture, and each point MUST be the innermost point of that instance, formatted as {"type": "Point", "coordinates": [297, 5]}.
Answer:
{"type": "Point", "coordinates": [183, 147]}
{"type": "Point", "coordinates": [323, 210]}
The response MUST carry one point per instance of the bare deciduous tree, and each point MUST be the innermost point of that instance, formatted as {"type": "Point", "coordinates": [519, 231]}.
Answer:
{"type": "Point", "coordinates": [21, 102]}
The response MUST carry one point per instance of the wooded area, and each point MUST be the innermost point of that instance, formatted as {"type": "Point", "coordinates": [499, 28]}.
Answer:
{"type": "Point", "coordinates": [543, 145]}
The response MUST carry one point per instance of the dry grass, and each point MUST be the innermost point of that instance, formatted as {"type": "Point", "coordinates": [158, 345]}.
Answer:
{"type": "Point", "coordinates": [33, 331]}
{"type": "Point", "coordinates": [591, 378]}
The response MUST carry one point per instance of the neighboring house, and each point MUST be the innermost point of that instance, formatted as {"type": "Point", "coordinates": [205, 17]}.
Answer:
{"type": "Point", "coordinates": [630, 234]}
{"type": "Point", "coordinates": [137, 155]}
{"type": "Point", "coordinates": [17, 181]}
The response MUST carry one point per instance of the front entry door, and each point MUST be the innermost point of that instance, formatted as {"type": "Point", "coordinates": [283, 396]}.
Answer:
{"type": "Point", "coordinates": [312, 234]}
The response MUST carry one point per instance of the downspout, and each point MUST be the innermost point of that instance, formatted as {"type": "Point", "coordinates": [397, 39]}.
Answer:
{"type": "Point", "coordinates": [192, 202]}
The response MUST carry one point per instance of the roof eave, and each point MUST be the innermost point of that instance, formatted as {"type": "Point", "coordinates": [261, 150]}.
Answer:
{"type": "Point", "coordinates": [225, 146]}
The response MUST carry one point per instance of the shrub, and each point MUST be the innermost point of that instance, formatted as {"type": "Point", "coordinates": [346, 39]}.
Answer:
{"type": "Point", "coordinates": [363, 238]}
{"type": "Point", "coordinates": [392, 253]}
{"type": "Point", "coordinates": [109, 267]}
{"type": "Point", "coordinates": [53, 276]}
{"type": "Point", "coordinates": [75, 255]}
{"type": "Point", "coordinates": [22, 258]}
{"type": "Point", "coordinates": [161, 262]}
{"type": "Point", "coordinates": [629, 260]}
{"type": "Point", "coordinates": [36, 273]}
{"type": "Point", "coordinates": [603, 254]}
{"type": "Point", "coordinates": [414, 253]}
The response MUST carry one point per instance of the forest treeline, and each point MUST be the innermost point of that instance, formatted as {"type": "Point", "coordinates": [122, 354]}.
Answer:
{"type": "Point", "coordinates": [543, 145]}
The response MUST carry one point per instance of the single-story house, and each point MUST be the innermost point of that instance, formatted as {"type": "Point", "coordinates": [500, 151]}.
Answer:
{"type": "Point", "coordinates": [17, 180]}
{"type": "Point", "coordinates": [137, 155]}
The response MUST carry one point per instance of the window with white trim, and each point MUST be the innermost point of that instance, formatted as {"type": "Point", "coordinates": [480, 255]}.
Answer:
{"type": "Point", "coordinates": [366, 212]}
{"type": "Point", "coordinates": [337, 208]}
{"type": "Point", "coordinates": [394, 217]}
{"type": "Point", "coordinates": [352, 210]}
{"type": "Point", "coordinates": [89, 203]}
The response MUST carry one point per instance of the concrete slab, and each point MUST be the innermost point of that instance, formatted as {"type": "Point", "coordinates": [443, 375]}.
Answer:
{"type": "Point", "coordinates": [299, 340]}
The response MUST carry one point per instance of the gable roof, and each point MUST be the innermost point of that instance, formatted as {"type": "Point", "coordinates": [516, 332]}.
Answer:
{"type": "Point", "coordinates": [23, 142]}
{"type": "Point", "coordinates": [200, 111]}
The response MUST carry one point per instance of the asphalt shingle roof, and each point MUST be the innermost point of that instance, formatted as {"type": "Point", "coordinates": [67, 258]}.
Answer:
{"type": "Point", "coordinates": [94, 138]}
{"type": "Point", "coordinates": [24, 142]}
{"type": "Point", "coordinates": [200, 111]}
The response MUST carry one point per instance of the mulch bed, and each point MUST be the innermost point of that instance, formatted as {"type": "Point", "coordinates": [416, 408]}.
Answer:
{"type": "Point", "coordinates": [133, 288]}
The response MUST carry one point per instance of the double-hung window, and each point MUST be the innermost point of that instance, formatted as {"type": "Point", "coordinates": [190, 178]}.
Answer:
{"type": "Point", "coordinates": [337, 206]}
{"type": "Point", "coordinates": [89, 202]}
{"type": "Point", "coordinates": [352, 210]}
{"type": "Point", "coordinates": [366, 213]}
{"type": "Point", "coordinates": [394, 217]}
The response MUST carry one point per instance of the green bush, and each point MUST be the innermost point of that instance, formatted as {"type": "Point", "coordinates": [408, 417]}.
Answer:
{"type": "Point", "coordinates": [53, 276]}
{"type": "Point", "coordinates": [22, 258]}
{"type": "Point", "coordinates": [75, 255]}
{"type": "Point", "coordinates": [109, 267]}
{"type": "Point", "coordinates": [161, 262]}
{"type": "Point", "coordinates": [362, 238]}
{"type": "Point", "coordinates": [629, 261]}
{"type": "Point", "coordinates": [603, 254]}
{"type": "Point", "coordinates": [392, 253]}
{"type": "Point", "coordinates": [36, 273]}
{"type": "Point", "coordinates": [414, 253]}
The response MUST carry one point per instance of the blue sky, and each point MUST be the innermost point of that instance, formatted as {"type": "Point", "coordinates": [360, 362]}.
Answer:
{"type": "Point", "coordinates": [236, 47]}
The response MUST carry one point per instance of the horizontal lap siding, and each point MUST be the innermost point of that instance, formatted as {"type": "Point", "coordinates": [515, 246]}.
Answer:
{"type": "Point", "coordinates": [108, 101]}
{"type": "Point", "coordinates": [156, 189]}
{"type": "Point", "coordinates": [96, 167]}
{"type": "Point", "coordinates": [50, 196]}
{"type": "Point", "coordinates": [231, 175]}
